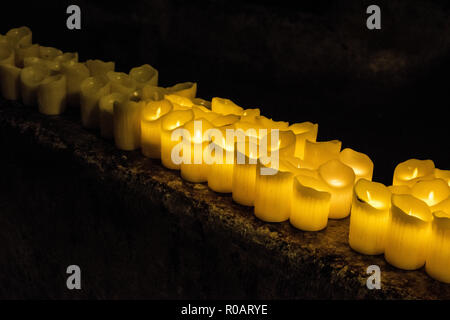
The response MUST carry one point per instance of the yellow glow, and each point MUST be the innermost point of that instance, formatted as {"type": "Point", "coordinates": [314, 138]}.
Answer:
{"type": "Point", "coordinates": [197, 137]}
{"type": "Point", "coordinates": [415, 174]}
{"type": "Point", "coordinates": [336, 182]}
{"type": "Point", "coordinates": [430, 200]}
{"type": "Point", "coordinates": [374, 203]}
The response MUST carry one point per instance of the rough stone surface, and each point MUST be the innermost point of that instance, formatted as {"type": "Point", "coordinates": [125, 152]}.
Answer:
{"type": "Point", "coordinates": [138, 230]}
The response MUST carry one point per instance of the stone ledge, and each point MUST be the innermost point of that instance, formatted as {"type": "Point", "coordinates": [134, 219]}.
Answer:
{"type": "Point", "coordinates": [140, 231]}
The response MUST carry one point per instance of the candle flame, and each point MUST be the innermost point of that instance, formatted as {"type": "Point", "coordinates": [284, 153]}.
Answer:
{"type": "Point", "coordinates": [177, 124]}
{"type": "Point", "coordinates": [415, 174]}
{"type": "Point", "coordinates": [158, 112]}
{"type": "Point", "coordinates": [374, 203]}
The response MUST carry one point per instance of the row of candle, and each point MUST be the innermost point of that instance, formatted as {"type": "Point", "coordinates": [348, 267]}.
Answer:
{"type": "Point", "coordinates": [313, 181]}
{"type": "Point", "coordinates": [409, 221]}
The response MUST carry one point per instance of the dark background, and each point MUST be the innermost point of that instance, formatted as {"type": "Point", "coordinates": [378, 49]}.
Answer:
{"type": "Point", "coordinates": [382, 92]}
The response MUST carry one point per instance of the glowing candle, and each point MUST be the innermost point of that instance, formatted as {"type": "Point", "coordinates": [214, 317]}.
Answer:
{"type": "Point", "coordinates": [99, 67]}
{"type": "Point", "coordinates": [432, 192]}
{"type": "Point", "coordinates": [317, 153]}
{"type": "Point", "coordinates": [127, 124]}
{"type": "Point", "coordinates": [179, 102]}
{"type": "Point", "coordinates": [30, 79]}
{"type": "Point", "coordinates": [442, 174]}
{"type": "Point", "coordinates": [273, 195]}
{"type": "Point", "coordinates": [249, 115]}
{"type": "Point", "coordinates": [400, 189]}
{"type": "Point", "coordinates": [19, 36]}
{"type": "Point", "coordinates": [106, 106]}
{"type": "Point", "coordinates": [438, 255]}
{"type": "Point", "coordinates": [92, 89]}
{"type": "Point", "coordinates": [225, 120]}
{"type": "Point", "coordinates": [413, 170]}
{"type": "Point", "coordinates": [310, 204]}
{"type": "Point", "coordinates": [202, 112]}
{"type": "Point", "coordinates": [408, 234]}
{"type": "Point", "coordinates": [220, 172]}
{"type": "Point", "coordinates": [303, 131]}
{"type": "Point", "coordinates": [184, 89]}
{"type": "Point", "coordinates": [144, 75]}
{"type": "Point", "coordinates": [169, 123]}
{"type": "Point", "coordinates": [340, 179]}
{"type": "Point", "coordinates": [286, 143]}
{"type": "Point", "coordinates": [6, 54]}
{"type": "Point", "coordinates": [49, 53]}
{"type": "Point", "coordinates": [244, 174]}
{"type": "Point", "coordinates": [24, 51]}
{"type": "Point", "coordinates": [225, 106]}
{"type": "Point", "coordinates": [194, 168]}
{"type": "Point", "coordinates": [267, 123]}
{"type": "Point", "coordinates": [10, 81]}
{"type": "Point", "coordinates": [369, 219]}
{"type": "Point", "coordinates": [359, 162]}
{"type": "Point", "coordinates": [75, 73]}
{"type": "Point", "coordinates": [121, 82]}
{"type": "Point", "coordinates": [52, 94]}
{"type": "Point", "coordinates": [151, 127]}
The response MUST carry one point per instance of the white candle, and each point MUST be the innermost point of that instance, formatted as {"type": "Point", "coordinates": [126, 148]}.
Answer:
{"type": "Point", "coordinates": [225, 106]}
{"type": "Point", "coordinates": [92, 89]}
{"type": "Point", "coordinates": [144, 75]}
{"type": "Point", "coordinates": [359, 162]}
{"type": "Point", "coordinates": [442, 174]}
{"type": "Point", "coordinates": [24, 51]}
{"type": "Point", "coordinates": [30, 79]}
{"type": "Point", "coordinates": [52, 95]}
{"type": "Point", "coordinates": [408, 234]}
{"type": "Point", "coordinates": [244, 174]}
{"type": "Point", "coordinates": [369, 219]}
{"type": "Point", "coordinates": [438, 255]}
{"type": "Point", "coordinates": [413, 170]}
{"type": "Point", "coordinates": [150, 92]}
{"type": "Point", "coordinates": [303, 131]}
{"type": "Point", "coordinates": [121, 82]}
{"type": "Point", "coordinates": [49, 53]}
{"type": "Point", "coordinates": [100, 68]}
{"type": "Point", "coordinates": [317, 153]}
{"type": "Point", "coordinates": [106, 106]}
{"type": "Point", "coordinates": [6, 54]}
{"type": "Point", "coordinates": [75, 73]}
{"type": "Point", "coordinates": [432, 192]}
{"type": "Point", "coordinates": [10, 81]}
{"type": "Point", "coordinates": [19, 36]}
{"type": "Point", "coordinates": [127, 124]}
{"type": "Point", "coordinates": [340, 179]}
{"type": "Point", "coordinates": [184, 89]}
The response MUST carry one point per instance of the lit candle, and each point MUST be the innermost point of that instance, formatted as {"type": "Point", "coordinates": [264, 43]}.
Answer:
{"type": "Point", "coordinates": [400, 189]}
{"type": "Point", "coordinates": [52, 94]}
{"type": "Point", "coordinates": [250, 115]}
{"type": "Point", "coordinates": [267, 123]}
{"type": "Point", "coordinates": [179, 102]}
{"type": "Point", "coordinates": [6, 54]}
{"type": "Point", "coordinates": [369, 219]}
{"type": "Point", "coordinates": [438, 255]}
{"type": "Point", "coordinates": [359, 162]}
{"type": "Point", "coordinates": [169, 123]}
{"type": "Point", "coordinates": [202, 112]}
{"type": "Point", "coordinates": [10, 81]}
{"type": "Point", "coordinates": [244, 173]}
{"type": "Point", "coordinates": [408, 234]}
{"type": "Point", "coordinates": [127, 124]}
{"type": "Point", "coordinates": [317, 153]}
{"type": "Point", "coordinates": [99, 67]}
{"type": "Point", "coordinates": [442, 174]}
{"type": "Point", "coordinates": [303, 131]}
{"type": "Point", "coordinates": [25, 51]}
{"type": "Point", "coordinates": [152, 113]}
{"type": "Point", "coordinates": [106, 106]}
{"type": "Point", "coordinates": [30, 79]}
{"type": "Point", "coordinates": [432, 192]}
{"type": "Point", "coordinates": [184, 89]}
{"type": "Point", "coordinates": [121, 82]}
{"type": "Point", "coordinates": [220, 172]}
{"type": "Point", "coordinates": [225, 106]}
{"type": "Point", "coordinates": [144, 75]}
{"type": "Point", "coordinates": [194, 168]}
{"type": "Point", "coordinates": [202, 102]}
{"type": "Point", "coordinates": [413, 170]}
{"type": "Point", "coordinates": [75, 73]}
{"type": "Point", "coordinates": [19, 36]}
{"type": "Point", "coordinates": [92, 89]}
{"type": "Point", "coordinates": [340, 179]}
{"type": "Point", "coordinates": [310, 204]}
{"type": "Point", "coordinates": [273, 194]}
{"type": "Point", "coordinates": [225, 120]}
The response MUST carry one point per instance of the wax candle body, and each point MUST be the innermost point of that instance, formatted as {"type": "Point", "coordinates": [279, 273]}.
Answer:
{"type": "Point", "coordinates": [438, 255]}
{"type": "Point", "coordinates": [303, 131]}
{"type": "Point", "coordinates": [442, 174]}
{"type": "Point", "coordinates": [10, 81]}
{"type": "Point", "coordinates": [23, 52]}
{"type": "Point", "coordinates": [201, 112]}
{"type": "Point", "coordinates": [273, 195]}
{"type": "Point", "coordinates": [194, 168]}
{"type": "Point", "coordinates": [359, 162]}
{"type": "Point", "coordinates": [244, 174]}
{"type": "Point", "coordinates": [106, 106]}
{"type": "Point", "coordinates": [432, 192]}
{"type": "Point", "coordinates": [6, 54]}
{"type": "Point", "coordinates": [170, 122]}
{"type": "Point", "coordinates": [52, 94]}
{"type": "Point", "coordinates": [121, 82]}
{"type": "Point", "coordinates": [150, 92]}
{"type": "Point", "coordinates": [250, 115]}
{"type": "Point", "coordinates": [144, 75]}
{"type": "Point", "coordinates": [225, 106]}
{"type": "Point", "coordinates": [30, 79]}
{"type": "Point", "coordinates": [151, 127]}
{"type": "Point", "coordinates": [127, 124]}
{"type": "Point", "coordinates": [75, 73]}
{"type": "Point", "coordinates": [408, 234]}
{"type": "Point", "coordinates": [53, 66]}
{"type": "Point", "coordinates": [92, 89]}
{"type": "Point", "coordinates": [317, 153]}
{"type": "Point", "coordinates": [310, 204]}
{"type": "Point", "coordinates": [21, 36]}
{"type": "Point", "coordinates": [400, 189]}
{"type": "Point", "coordinates": [49, 53]}
{"type": "Point", "coordinates": [220, 172]}
{"type": "Point", "coordinates": [413, 170]}
{"type": "Point", "coordinates": [99, 67]}
{"type": "Point", "coordinates": [225, 120]}
{"type": "Point", "coordinates": [340, 180]}
{"type": "Point", "coordinates": [184, 89]}
{"type": "Point", "coordinates": [369, 219]}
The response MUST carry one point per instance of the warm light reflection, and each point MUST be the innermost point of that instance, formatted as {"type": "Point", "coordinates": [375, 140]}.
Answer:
{"type": "Point", "coordinates": [374, 203]}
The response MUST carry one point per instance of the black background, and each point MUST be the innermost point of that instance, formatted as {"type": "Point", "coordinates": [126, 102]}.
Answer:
{"type": "Point", "coordinates": [302, 61]}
